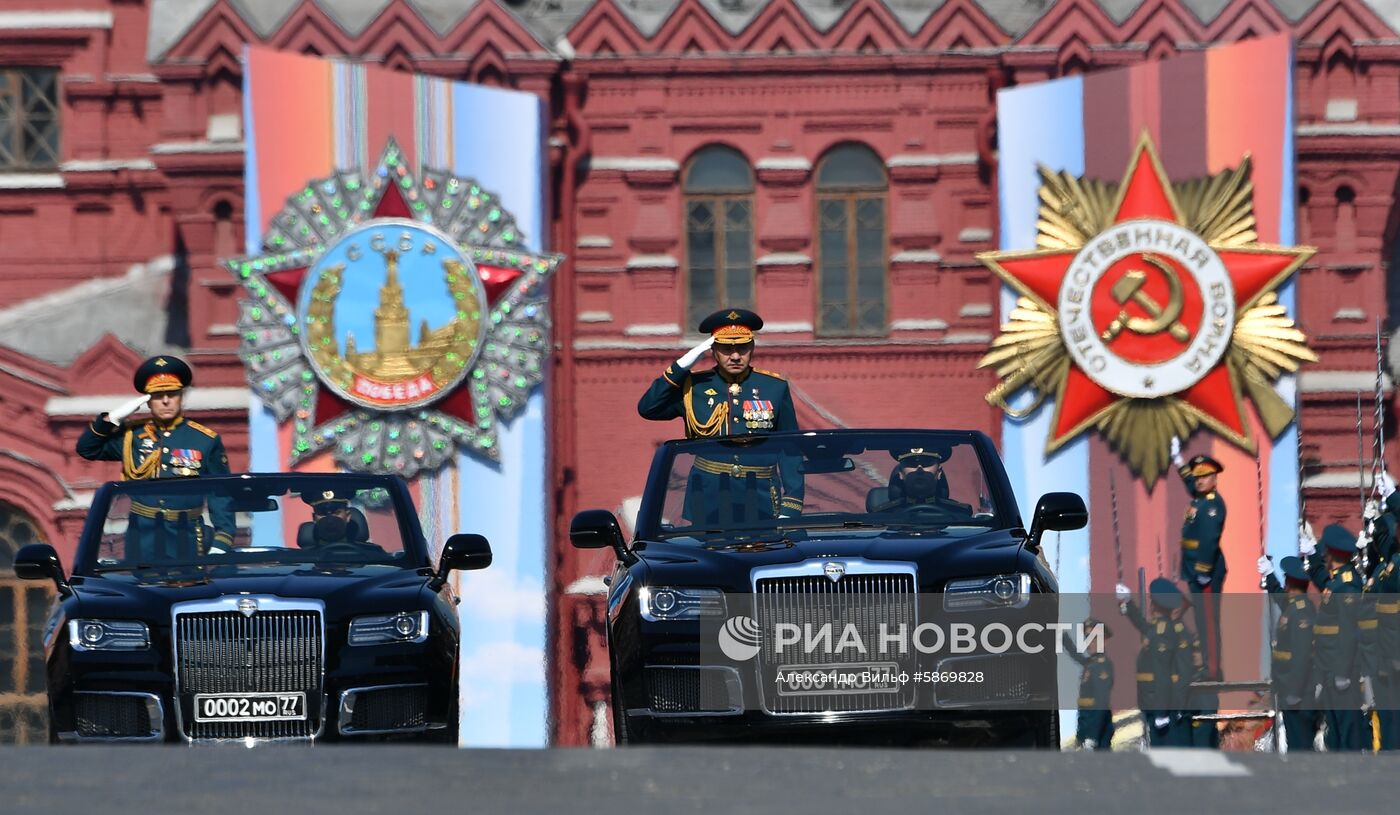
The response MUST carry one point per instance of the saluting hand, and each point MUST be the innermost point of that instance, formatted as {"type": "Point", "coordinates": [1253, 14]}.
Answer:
{"type": "Point", "coordinates": [1176, 452]}
{"type": "Point", "coordinates": [125, 409]}
{"type": "Point", "coordinates": [1122, 592]}
{"type": "Point", "coordinates": [1265, 566]}
{"type": "Point", "coordinates": [1385, 485]}
{"type": "Point", "coordinates": [695, 353]}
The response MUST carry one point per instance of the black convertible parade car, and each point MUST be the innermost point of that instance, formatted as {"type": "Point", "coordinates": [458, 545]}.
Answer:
{"type": "Point", "coordinates": [325, 619]}
{"type": "Point", "coordinates": [730, 617]}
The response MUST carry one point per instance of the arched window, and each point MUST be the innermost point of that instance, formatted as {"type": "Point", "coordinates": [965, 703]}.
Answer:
{"type": "Point", "coordinates": [23, 612]}
{"type": "Point", "coordinates": [851, 250]}
{"type": "Point", "coordinates": [718, 192]}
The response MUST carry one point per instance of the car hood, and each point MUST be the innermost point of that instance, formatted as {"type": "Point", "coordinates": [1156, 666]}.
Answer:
{"type": "Point", "coordinates": [361, 590]}
{"type": "Point", "coordinates": [938, 557]}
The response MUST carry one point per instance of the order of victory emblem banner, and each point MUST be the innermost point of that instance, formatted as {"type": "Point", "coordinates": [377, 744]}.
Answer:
{"type": "Point", "coordinates": [393, 318]}
{"type": "Point", "coordinates": [1147, 310]}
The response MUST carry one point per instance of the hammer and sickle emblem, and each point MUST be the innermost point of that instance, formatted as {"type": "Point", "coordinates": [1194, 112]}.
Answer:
{"type": "Point", "coordinates": [1129, 289]}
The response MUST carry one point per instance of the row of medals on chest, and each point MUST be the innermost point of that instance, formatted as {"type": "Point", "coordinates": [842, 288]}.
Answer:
{"type": "Point", "coordinates": [754, 418]}
{"type": "Point", "coordinates": [180, 465]}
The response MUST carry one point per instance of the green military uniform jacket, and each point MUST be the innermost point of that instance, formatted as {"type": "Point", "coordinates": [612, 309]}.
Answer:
{"type": "Point", "coordinates": [1095, 681]}
{"type": "Point", "coordinates": [1200, 536]}
{"type": "Point", "coordinates": [713, 407]}
{"type": "Point", "coordinates": [1335, 630]}
{"type": "Point", "coordinates": [146, 450]}
{"type": "Point", "coordinates": [1379, 615]}
{"type": "Point", "coordinates": [1167, 664]}
{"type": "Point", "coordinates": [1292, 646]}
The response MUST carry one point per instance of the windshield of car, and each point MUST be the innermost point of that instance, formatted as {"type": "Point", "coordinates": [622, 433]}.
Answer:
{"type": "Point", "coordinates": [191, 523]}
{"type": "Point", "coordinates": [867, 483]}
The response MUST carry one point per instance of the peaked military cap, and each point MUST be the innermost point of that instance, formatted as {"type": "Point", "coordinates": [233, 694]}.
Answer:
{"type": "Point", "coordinates": [161, 374]}
{"type": "Point", "coordinates": [1164, 593]}
{"type": "Point", "coordinates": [925, 456]}
{"type": "Point", "coordinates": [1200, 465]}
{"type": "Point", "coordinates": [1293, 569]}
{"type": "Point", "coordinates": [731, 326]}
{"type": "Point", "coordinates": [327, 499]}
{"type": "Point", "coordinates": [1336, 539]}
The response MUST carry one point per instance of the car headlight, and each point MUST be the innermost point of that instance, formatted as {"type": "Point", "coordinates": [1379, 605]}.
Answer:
{"type": "Point", "coordinates": [671, 603]}
{"type": "Point", "coordinates": [977, 593]}
{"type": "Point", "coordinates": [108, 635]}
{"type": "Point", "coordinates": [377, 629]}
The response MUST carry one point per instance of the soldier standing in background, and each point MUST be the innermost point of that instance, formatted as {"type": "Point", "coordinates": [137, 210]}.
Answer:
{"type": "Point", "coordinates": [1291, 651]}
{"type": "Point", "coordinates": [1202, 559]}
{"type": "Point", "coordinates": [1094, 730]}
{"type": "Point", "coordinates": [1377, 616]}
{"type": "Point", "coordinates": [1159, 691]}
{"type": "Point", "coordinates": [1335, 639]}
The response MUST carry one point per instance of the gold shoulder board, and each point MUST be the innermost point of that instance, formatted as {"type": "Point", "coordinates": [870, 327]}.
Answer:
{"type": "Point", "coordinates": [201, 428]}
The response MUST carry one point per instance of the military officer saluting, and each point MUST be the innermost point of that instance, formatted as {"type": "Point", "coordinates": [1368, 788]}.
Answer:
{"type": "Point", "coordinates": [731, 399]}
{"type": "Point", "coordinates": [1202, 559]}
{"type": "Point", "coordinates": [1163, 687]}
{"type": "Point", "coordinates": [167, 445]}
{"type": "Point", "coordinates": [1292, 650]}
{"type": "Point", "coordinates": [1094, 730]}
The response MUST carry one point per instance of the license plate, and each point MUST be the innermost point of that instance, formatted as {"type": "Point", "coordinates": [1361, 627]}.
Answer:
{"type": "Point", "coordinates": [249, 707]}
{"type": "Point", "coordinates": [834, 680]}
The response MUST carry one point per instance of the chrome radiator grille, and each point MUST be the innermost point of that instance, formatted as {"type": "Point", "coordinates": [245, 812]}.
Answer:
{"type": "Point", "coordinates": [266, 652]}
{"type": "Point", "coordinates": [867, 601]}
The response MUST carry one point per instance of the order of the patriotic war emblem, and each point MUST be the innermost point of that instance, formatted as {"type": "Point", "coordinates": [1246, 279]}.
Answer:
{"type": "Point", "coordinates": [394, 319]}
{"type": "Point", "coordinates": [1147, 310]}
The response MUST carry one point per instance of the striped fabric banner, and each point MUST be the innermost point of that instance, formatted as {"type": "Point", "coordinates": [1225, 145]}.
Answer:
{"type": "Point", "coordinates": [1205, 111]}
{"type": "Point", "coordinates": [305, 117]}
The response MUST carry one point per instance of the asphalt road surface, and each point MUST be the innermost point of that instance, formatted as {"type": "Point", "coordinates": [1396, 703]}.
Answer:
{"type": "Point", "coordinates": [406, 780]}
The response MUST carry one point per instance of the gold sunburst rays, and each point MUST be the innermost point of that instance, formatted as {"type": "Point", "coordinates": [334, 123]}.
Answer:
{"type": "Point", "coordinates": [1072, 209]}
{"type": "Point", "coordinates": [1220, 208]}
{"type": "Point", "coordinates": [1266, 345]}
{"type": "Point", "coordinates": [1028, 353]}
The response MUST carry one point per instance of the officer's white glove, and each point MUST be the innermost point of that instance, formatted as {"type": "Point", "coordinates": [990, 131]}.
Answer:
{"type": "Point", "coordinates": [783, 516]}
{"type": "Point", "coordinates": [1371, 511]}
{"type": "Point", "coordinates": [1264, 565]}
{"type": "Point", "coordinates": [1292, 701]}
{"type": "Point", "coordinates": [1203, 579]}
{"type": "Point", "coordinates": [1090, 744]}
{"type": "Point", "coordinates": [1317, 691]}
{"type": "Point", "coordinates": [1363, 540]}
{"type": "Point", "coordinates": [1368, 694]}
{"type": "Point", "coordinates": [1385, 485]}
{"type": "Point", "coordinates": [125, 409]}
{"type": "Point", "coordinates": [1176, 452]}
{"type": "Point", "coordinates": [1307, 542]}
{"type": "Point", "coordinates": [1161, 722]}
{"type": "Point", "coordinates": [1122, 592]}
{"type": "Point", "coordinates": [695, 353]}
{"type": "Point", "coordinates": [1341, 683]}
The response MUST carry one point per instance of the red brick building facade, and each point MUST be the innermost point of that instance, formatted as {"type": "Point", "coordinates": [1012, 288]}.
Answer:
{"type": "Point", "coordinates": [830, 164]}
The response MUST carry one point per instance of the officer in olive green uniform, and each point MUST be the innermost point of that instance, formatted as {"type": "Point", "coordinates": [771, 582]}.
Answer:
{"type": "Point", "coordinates": [1335, 638]}
{"type": "Point", "coordinates": [167, 445]}
{"type": "Point", "coordinates": [1202, 560]}
{"type": "Point", "coordinates": [1292, 650]}
{"type": "Point", "coordinates": [1384, 585]}
{"type": "Point", "coordinates": [1094, 730]}
{"type": "Point", "coordinates": [1162, 690]}
{"type": "Point", "coordinates": [731, 399]}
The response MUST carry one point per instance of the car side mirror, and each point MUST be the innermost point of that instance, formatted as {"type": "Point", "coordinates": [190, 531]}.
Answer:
{"type": "Point", "coordinates": [599, 529]}
{"type": "Point", "coordinates": [39, 561]}
{"type": "Point", "coordinates": [1057, 511]}
{"type": "Point", "coordinates": [463, 552]}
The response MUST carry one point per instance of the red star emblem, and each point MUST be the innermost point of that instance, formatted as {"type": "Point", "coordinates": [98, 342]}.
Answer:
{"type": "Point", "coordinates": [1146, 307]}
